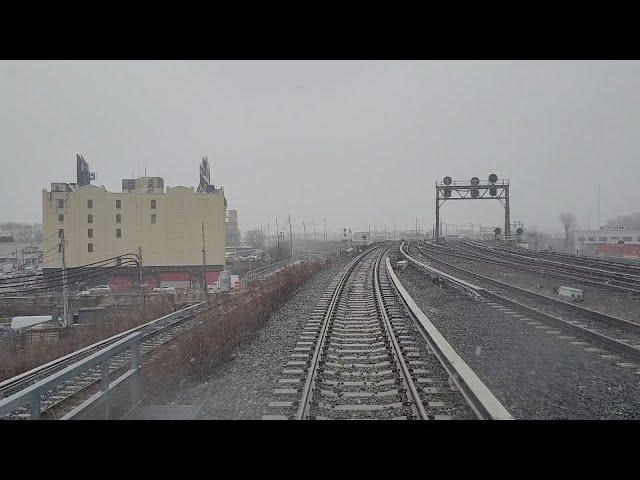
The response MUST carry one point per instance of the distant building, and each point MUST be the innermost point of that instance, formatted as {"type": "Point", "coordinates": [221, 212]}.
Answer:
{"type": "Point", "coordinates": [166, 224]}
{"type": "Point", "coordinates": [232, 233]}
{"type": "Point", "coordinates": [18, 255]}
{"type": "Point", "coordinates": [608, 242]}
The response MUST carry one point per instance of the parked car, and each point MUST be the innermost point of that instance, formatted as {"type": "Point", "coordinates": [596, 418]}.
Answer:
{"type": "Point", "coordinates": [170, 290]}
{"type": "Point", "coordinates": [100, 289]}
{"type": "Point", "coordinates": [84, 293]}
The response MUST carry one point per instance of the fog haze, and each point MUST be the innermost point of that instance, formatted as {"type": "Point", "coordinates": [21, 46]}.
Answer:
{"type": "Point", "coordinates": [357, 142]}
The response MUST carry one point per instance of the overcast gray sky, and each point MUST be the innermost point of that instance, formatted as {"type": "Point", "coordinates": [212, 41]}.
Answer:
{"type": "Point", "coordinates": [357, 142]}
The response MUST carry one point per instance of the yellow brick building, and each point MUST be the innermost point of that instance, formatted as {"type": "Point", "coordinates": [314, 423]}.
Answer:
{"type": "Point", "coordinates": [167, 225]}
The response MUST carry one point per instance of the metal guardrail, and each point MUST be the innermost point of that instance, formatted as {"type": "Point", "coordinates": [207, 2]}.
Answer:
{"type": "Point", "coordinates": [31, 396]}
{"type": "Point", "coordinates": [150, 327]}
{"type": "Point", "coordinates": [262, 272]}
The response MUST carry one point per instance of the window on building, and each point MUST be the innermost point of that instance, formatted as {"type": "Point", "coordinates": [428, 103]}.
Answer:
{"type": "Point", "coordinates": [638, 239]}
{"type": "Point", "coordinates": [90, 247]}
{"type": "Point", "coordinates": [90, 233]}
{"type": "Point", "coordinates": [627, 239]}
{"type": "Point", "coordinates": [118, 203]}
{"type": "Point", "coordinates": [592, 239]}
{"type": "Point", "coordinates": [61, 217]}
{"type": "Point", "coordinates": [89, 203]}
{"type": "Point", "coordinates": [615, 239]}
{"type": "Point", "coordinates": [602, 239]}
{"type": "Point", "coordinates": [581, 239]}
{"type": "Point", "coordinates": [60, 233]}
{"type": "Point", "coordinates": [60, 203]}
{"type": "Point", "coordinates": [90, 218]}
{"type": "Point", "coordinates": [153, 218]}
{"type": "Point", "coordinates": [118, 232]}
{"type": "Point", "coordinates": [153, 204]}
{"type": "Point", "coordinates": [118, 218]}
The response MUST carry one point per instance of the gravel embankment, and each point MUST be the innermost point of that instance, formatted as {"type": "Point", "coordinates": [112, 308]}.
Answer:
{"type": "Point", "coordinates": [607, 301]}
{"type": "Point", "coordinates": [242, 387]}
{"type": "Point", "coordinates": [536, 375]}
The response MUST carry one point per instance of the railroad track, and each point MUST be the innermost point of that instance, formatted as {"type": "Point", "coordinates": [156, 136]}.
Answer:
{"type": "Point", "coordinates": [614, 333]}
{"type": "Point", "coordinates": [478, 252]}
{"type": "Point", "coordinates": [628, 266]}
{"type": "Point", "coordinates": [365, 354]}
{"type": "Point", "coordinates": [620, 277]}
{"type": "Point", "coordinates": [65, 396]}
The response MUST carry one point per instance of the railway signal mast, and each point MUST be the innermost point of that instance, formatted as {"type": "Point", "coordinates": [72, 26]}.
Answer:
{"type": "Point", "coordinates": [494, 189]}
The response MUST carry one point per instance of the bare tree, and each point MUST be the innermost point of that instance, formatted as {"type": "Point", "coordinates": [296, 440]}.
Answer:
{"type": "Point", "coordinates": [21, 232]}
{"type": "Point", "coordinates": [568, 220]}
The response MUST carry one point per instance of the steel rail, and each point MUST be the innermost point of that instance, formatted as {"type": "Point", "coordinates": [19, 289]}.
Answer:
{"type": "Point", "coordinates": [20, 380]}
{"type": "Point", "coordinates": [603, 317]}
{"type": "Point", "coordinates": [23, 379]}
{"type": "Point", "coordinates": [416, 403]}
{"type": "Point", "coordinates": [548, 270]}
{"type": "Point", "coordinates": [307, 391]}
{"type": "Point", "coordinates": [625, 266]}
{"type": "Point", "coordinates": [481, 400]}
{"type": "Point", "coordinates": [533, 312]}
{"type": "Point", "coordinates": [625, 276]}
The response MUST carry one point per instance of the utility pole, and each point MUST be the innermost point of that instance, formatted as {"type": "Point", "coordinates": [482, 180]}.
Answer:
{"type": "Point", "coordinates": [325, 228]}
{"type": "Point", "coordinates": [204, 263]}
{"type": "Point", "coordinates": [437, 237]}
{"type": "Point", "coordinates": [290, 237]}
{"type": "Point", "coordinates": [65, 287]}
{"type": "Point", "coordinates": [304, 229]}
{"type": "Point", "coordinates": [140, 283]}
{"type": "Point", "coordinates": [599, 206]}
{"type": "Point", "coordinates": [314, 229]}
{"type": "Point", "coordinates": [268, 235]}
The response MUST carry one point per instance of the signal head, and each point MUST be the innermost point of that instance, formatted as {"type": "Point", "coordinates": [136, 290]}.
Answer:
{"type": "Point", "coordinates": [447, 180]}
{"type": "Point", "coordinates": [493, 178]}
{"type": "Point", "coordinates": [475, 181]}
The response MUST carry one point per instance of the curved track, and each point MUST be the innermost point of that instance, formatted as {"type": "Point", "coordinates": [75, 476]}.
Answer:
{"type": "Point", "coordinates": [364, 355]}
{"type": "Point", "coordinates": [615, 333]}
{"type": "Point", "coordinates": [606, 275]}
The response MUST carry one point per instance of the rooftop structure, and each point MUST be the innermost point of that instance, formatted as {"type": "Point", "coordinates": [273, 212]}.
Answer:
{"type": "Point", "coordinates": [169, 225]}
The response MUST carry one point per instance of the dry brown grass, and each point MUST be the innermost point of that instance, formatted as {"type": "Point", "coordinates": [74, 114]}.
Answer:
{"type": "Point", "coordinates": [197, 352]}
{"type": "Point", "coordinates": [25, 351]}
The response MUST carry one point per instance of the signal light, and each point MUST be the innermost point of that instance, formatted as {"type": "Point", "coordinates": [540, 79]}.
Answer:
{"type": "Point", "coordinates": [493, 178]}
{"type": "Point", "coordinates": [475, 181]}
{"type": "Point", "coordinates": [447, 180]}
{"type": "Point", "coordinates": [519, 231]}
{"type": "Point", "coordinates": [474, 193]}
{"type": "Point", "coordinates": [446, 192]}
{"type": "Point", "coordinates": [493, 190]}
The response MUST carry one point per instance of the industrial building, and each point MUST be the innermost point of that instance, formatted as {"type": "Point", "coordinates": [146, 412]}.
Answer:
{"type": "Point", "coordinates": [167, 226]}
{"type": "Point", "coordinates": [620, 242]}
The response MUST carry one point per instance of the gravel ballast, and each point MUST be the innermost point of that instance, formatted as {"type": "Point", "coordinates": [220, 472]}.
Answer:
{"type": "Point", "coordinates": [242, 387]}
{"type": "Point", "coordinates": [609, 301]}
{"type": "Point", "coordinates": [535, 374]}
